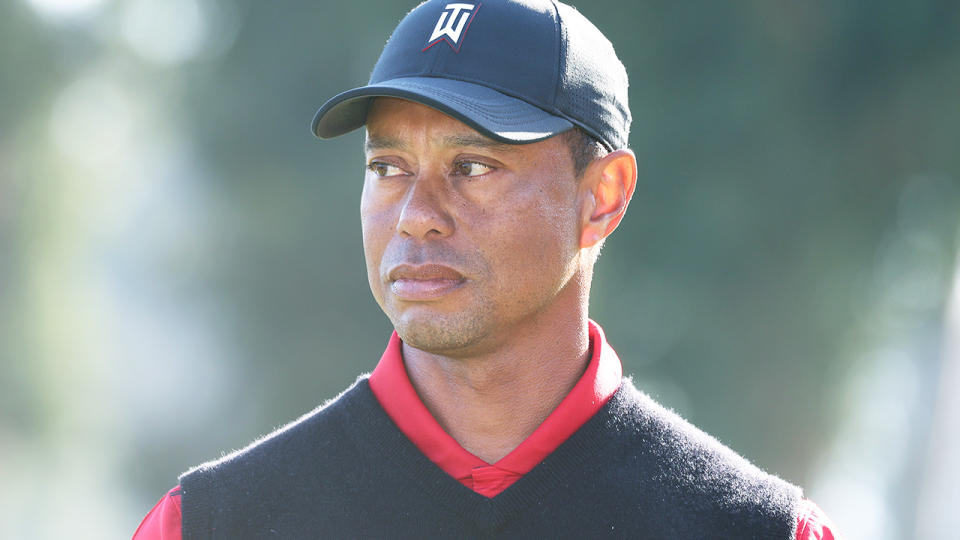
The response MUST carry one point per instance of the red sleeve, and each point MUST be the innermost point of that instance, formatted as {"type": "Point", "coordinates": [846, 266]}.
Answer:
{"type": "Point", "coordinates": [163, 521]}
{"type": "Point", "coordinates": [813, 524]}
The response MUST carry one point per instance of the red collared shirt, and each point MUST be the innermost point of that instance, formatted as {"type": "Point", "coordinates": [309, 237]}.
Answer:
{"type": "Point", "coordinates": [396, 395]}
{"type": "Point", "coordinates": [393, 389]}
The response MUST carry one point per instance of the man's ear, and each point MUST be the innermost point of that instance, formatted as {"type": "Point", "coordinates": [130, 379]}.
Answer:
{"type": "Point", "coordinates": [608, 185]}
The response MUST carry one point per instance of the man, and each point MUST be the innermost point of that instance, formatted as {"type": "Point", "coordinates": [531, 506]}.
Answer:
{"type": "Point", "coordinates": [496, 165]}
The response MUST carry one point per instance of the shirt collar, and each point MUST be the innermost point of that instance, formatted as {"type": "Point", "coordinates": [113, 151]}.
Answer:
{"type": "Point", "coordinates": [393, 389]}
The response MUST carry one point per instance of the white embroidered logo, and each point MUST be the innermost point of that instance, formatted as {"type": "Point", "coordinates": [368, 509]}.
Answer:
{"type": "Point", "coordinates": [452, 25]}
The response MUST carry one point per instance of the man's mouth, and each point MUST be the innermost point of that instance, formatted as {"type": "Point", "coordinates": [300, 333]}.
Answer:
{"type": "Point", "coordinates": [424, 281]}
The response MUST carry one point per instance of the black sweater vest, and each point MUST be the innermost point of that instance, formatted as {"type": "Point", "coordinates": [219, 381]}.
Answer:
{"type": "Point", "coordinates": [635, 470]}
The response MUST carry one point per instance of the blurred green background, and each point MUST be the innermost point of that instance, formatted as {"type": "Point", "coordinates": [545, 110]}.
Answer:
{"type": "Point", "coordinates": [181, 268]}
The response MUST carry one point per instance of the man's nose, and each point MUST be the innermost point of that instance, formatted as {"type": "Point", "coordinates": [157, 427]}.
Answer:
{"type": "Point", "coordinates": [424, 213]}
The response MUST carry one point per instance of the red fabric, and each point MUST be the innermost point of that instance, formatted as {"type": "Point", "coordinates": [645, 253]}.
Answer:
{"type": "Point", "coordinates": [392, 388]}
{"type": "Point", "coordinates": [391, 385]}
{"type": "Point", "coordinates": [163, 521]}
{"type": "Point", "coordinates": [813, 524]}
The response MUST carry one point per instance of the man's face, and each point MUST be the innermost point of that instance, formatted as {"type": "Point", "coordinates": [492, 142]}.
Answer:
{"type": "Point", "coordinates": [466, 240]}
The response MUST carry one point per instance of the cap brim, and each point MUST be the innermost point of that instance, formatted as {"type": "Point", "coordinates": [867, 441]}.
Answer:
{"type": "Point", "coordinates": [496, 115]}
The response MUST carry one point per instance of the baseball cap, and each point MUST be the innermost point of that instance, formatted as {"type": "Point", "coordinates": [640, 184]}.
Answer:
{"type": "Point", "coordinates": [517, 71]}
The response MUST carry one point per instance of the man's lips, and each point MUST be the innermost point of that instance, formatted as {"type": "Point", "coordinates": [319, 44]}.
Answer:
{"type": "Point", "coordinates": [424, 281]}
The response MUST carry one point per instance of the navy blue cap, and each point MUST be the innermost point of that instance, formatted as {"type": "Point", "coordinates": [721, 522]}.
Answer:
{"type": "Point", "coordinates": [518, 71]}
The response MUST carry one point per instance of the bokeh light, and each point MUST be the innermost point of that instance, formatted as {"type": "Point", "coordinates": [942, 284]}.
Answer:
{"type": "Point", "coordinates": [61, 8]}
{"type": "Point", "coordinates": [167, 32]}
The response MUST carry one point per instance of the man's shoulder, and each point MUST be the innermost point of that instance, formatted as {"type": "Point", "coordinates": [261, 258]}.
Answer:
{"type": "Point", "coordinates": [661, 461]}
{"type": "Point", "coordinates": [662, 436]}
{"type": "Point", "coordinates": [281, 447]}
{"type": "Point", "coordinates": [253, 486]}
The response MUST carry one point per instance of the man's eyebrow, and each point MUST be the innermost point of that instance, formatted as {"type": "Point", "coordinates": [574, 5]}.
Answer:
{"type": "Point", "coordinates": [477, 141]}
{"type": "Point", "coordinates": [379, 142]}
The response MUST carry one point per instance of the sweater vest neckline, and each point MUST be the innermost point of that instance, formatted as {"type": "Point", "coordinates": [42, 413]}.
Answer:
{"type": "Point", "coordinates": [345, 470]}
{"type": "Point", "coordinates": [389, 445]}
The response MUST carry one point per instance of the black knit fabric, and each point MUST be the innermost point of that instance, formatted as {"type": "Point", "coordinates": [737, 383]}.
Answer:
{"type": "Point", "coordinates": [635, 470]}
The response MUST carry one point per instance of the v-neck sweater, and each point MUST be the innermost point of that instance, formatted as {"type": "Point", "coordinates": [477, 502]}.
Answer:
{"type": "Point", "coordinates": [633, 470]}
{"type": "Point", "coordinates": [401, 403]}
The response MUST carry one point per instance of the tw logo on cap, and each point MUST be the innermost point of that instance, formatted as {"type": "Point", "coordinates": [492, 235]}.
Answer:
{"type": "Point", "coordinates": [452, 25]}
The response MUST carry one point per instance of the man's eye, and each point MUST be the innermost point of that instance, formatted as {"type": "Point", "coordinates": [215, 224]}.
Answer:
{"type": "Point", "coordinates": [380, 168]}
{"type": "Point", "coordinates": [472, 168]}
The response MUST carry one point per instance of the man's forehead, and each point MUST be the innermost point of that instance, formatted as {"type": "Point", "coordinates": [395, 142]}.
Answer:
{"type": "Point", "coordinates": [391, 122]}
{"type": "Point", "coordinates": [385, 142]}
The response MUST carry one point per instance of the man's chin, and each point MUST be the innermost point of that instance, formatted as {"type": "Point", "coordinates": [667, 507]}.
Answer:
{"type": "Point", "coordinates": [440, 334]}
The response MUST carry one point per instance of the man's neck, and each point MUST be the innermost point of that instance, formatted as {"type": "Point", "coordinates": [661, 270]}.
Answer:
{"type": "Point", "coordinates": [490, 403]}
